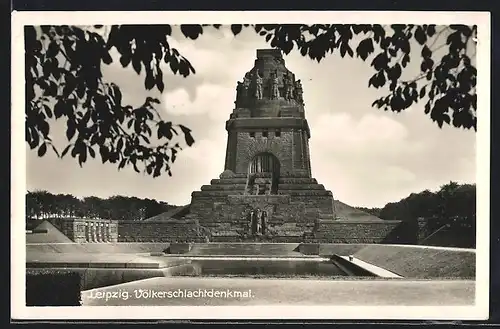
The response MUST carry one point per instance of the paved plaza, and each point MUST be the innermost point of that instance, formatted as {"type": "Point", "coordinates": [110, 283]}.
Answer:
{"type": "Point", "coordinates": [178, 291]}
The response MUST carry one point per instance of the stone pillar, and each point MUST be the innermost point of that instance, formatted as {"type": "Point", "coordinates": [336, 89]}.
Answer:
{"type": "Point", "coordinates": [108, 237]}
{"type": "Point", "coordinates": [100, 235]}
{"type": "Point", "coordinates": [97, 232]}
{"type": "Point", "coordinates": [93, 229]}
{"type": "Point", "coordinates": [87, 232]}
{"type": "Point", "coordinates": [105, 232]}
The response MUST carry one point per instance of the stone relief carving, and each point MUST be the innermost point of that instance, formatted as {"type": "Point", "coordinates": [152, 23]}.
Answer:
{"type": "Point", "coordinates": [275, 92]}
{"type": "Point", "coordinates": [257, 221]}
{"type": "Point", "coordinates": [246, 85]}
{"type": "Point", "coordinates": [288, 82]}
{"type": "Point", "coordinates": [253, 86]}
{"type": "Point", "coordinates": [299, 92]}
{"type": "Point", "coordinates": [258, 85]}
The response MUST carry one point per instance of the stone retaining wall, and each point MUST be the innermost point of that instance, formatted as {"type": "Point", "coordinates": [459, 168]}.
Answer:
{"type": "Point", "coordinates": [85, 230]}
{"type": "Point", "coordinates": [340, 231]}
{"type": "Point", "coordinates": [159, 231]}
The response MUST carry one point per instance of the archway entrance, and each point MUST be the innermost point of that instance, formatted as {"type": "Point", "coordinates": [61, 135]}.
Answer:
{"type": "Point", "coordinates": [263, 175]}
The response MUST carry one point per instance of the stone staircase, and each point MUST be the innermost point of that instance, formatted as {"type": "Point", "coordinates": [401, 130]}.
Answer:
{"type": "Point", "coordinates": [222, 209]}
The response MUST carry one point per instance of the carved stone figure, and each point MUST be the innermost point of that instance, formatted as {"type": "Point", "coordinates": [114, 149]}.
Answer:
{"type": "Point", "coordinates": [288, 82]}
{"type": "Point", "coordinates": [263, 218]}
{"type": "Point", "coordinates": [275, 93]}
{"type": "Point", "coordinates": [258, 217]}
{"type": "Point", "coordinates": [240, 90]}
{"type": "Point", "coordinates": [258, 85]}
{"type": "Point", "coordinates": [268, 189]}
{"type": "Point", "coordinates": [256, 189]}
{"type": "Point", "coordinates": [298, 92]}
{"type": "Point", "coordinates": [251, 220]}
{"type": "Point", "coordinates": [246, 86]}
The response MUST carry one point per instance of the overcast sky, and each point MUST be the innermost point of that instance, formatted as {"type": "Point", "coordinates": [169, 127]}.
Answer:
{"type": "Point", "coordinates": [365, 156]}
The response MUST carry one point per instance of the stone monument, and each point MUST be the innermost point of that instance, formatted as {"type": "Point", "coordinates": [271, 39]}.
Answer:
{"type": "Point", "coordinates": [266, 190]}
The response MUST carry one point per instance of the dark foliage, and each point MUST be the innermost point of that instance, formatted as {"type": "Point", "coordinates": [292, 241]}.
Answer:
{"type": "Point", "coordinates": [64, 81]}
{"type": "Point", "coordinates": [42, 204]}
{"type": "Point", "coordinates": [451, 209]}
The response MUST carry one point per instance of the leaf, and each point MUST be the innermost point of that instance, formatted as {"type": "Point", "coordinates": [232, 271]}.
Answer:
{"type": "Point", "coordinates": [349, 50]}
{"type": "Point", "coordinates": [66, 149]}
{"type": "Point", "coordinates": [42, 150]}
{"type": "Point", "coordinates": [420, 35]}
{"type": "Point", "coordinates": [119, 145]}
{"type": "Point", "coordinates": [394, 73]}
{"type": "Point", "coordinates": [149, 82]}
{"type": "Point", "coordinates": [174, 64]}
{"type": "Point", "coordinates": [137, 127]}
{"type": "Point", "coordinates": [429, 76]}
{"type": "Point", "coordinates": [106, 57]}
{"type": "Point", "coordinates": [125, 60]}
{"type": "Point", "coordinates": [69, 86]}
{"type": "Point", "coordinates": [104, 153]}
{"type": "Point", "coordinates": [91, 152]}
{"type": "Point", "coordinates": [48, 111]}
{"type": "Point", "coordinates": [446, 118]}
{"type": "Point", "coordinates": [71, 129]}
{"type": "Point", "coordinates": [52, 50]}
{"type": "Point", "coordinates": [191, 31]}
{"type": "Point", "coordinates": [174, 152]}
{"type": "Point", "coordinates": [122, 163]}
{"type": "Point", "coordinates": [187, 135]}
{"type": "Point", "coordinates": [426, 52]}
{"type": "Point", "coordinates": [159, 83]}
{"type": "Point", "coordinates": [117, 95]}
{"type": "Point", "coordinates": [343, 49]}
{"type": "Point", "coordinates": [136, 63]}
{"type": "Point", "coordinates": [431, 30]}
{"type": "Point", "coordinates": [406, 60]}
{"type": "Point", "coordinates": [422, 92]}
{"type": "Point", "coordinates": [236, 29]}
{"type": "Point", "coordinates": [380, 61]}
{"type": "Point", "coordinates": [82, 158]}
{"type": "Point", "coordinates": [365, 48]}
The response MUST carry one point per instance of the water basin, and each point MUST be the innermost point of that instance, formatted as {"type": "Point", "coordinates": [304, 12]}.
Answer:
{"type": "Point", "coordinates": [264, 268]}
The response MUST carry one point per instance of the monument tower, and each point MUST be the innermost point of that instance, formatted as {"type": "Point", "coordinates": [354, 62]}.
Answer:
{"type": "Point", "coordinates": [266, 190]}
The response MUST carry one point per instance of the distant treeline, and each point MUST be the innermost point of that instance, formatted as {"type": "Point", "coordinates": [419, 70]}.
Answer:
{"type": "Point", "coordinates": [452, 203]}
{"type": "Point", "coordinates": [43, 204]}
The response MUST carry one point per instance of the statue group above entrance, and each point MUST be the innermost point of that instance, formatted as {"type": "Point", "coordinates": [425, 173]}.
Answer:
{"type": "Point", "coordinates": [273, 84]}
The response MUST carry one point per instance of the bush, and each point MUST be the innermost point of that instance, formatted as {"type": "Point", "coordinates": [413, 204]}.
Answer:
{"type": "Point", "coordinates": [53, 288]}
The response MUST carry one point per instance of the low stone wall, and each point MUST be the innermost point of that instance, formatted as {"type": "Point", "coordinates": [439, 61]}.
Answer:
{"type": "Point", "coordinates": [349, 231]}
{"type": "Point", "coordinates": [159, 231]}
{"type": "Point", "coordinates": [96, 248]}
{"type": "Point", "coordinates": [86, 229]}
{"type": "Point", "coordinates": [92, 278]}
